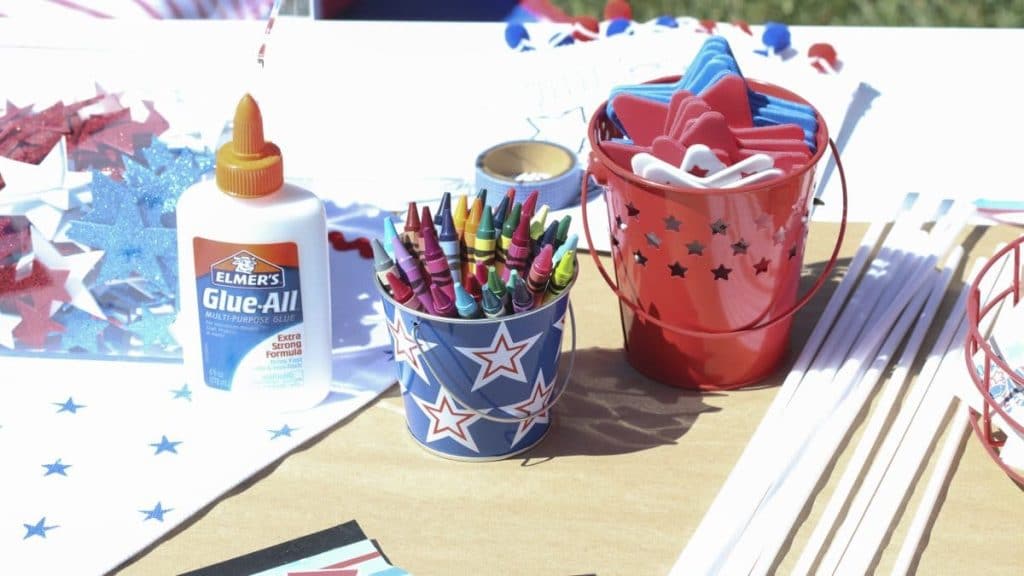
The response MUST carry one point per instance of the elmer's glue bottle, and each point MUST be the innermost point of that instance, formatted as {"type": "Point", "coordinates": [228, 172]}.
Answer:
{"type": "Point", "coordinates": [254, 295]}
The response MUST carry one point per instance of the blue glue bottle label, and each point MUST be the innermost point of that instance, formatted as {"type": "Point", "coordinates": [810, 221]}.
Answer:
{"type": "Point", "coordinates": [250, 314]}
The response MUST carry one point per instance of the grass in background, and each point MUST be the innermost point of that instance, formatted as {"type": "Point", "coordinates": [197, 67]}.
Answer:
{"type": "Point", "coordinates": [976, 13]}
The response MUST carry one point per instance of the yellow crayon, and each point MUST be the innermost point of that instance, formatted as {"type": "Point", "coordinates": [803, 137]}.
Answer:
{"type": "Point", "coordinates": [538, 222]}
{"type": "Point", "coordinates": [561, 276]}
{"type": "Point", "coordinates": [459, 214]}
{"type": "Point", "coordinates": [469, 232]}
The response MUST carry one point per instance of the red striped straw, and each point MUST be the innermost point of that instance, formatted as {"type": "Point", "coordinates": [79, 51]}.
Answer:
{"type": "Point", "coordinates": [261, 56]}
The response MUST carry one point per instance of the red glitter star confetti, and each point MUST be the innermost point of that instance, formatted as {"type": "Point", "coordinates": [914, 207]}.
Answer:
{"type": "Point", "coordinates": [35, 325]}
{"type": "Point", "coordinates": [42, 287]}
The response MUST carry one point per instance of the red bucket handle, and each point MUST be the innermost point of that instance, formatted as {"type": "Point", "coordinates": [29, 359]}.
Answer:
{"type": "Point", "coordinates": [706, 334]}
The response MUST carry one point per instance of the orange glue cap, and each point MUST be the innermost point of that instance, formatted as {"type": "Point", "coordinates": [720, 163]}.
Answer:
{"type": "Point", "coordinates": [248, 166]}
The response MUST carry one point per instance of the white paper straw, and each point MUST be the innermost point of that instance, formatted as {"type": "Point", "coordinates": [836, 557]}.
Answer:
{"type": "Point", "coordinates": [856, 544]}
{"type": "Point", "coordinates": [707, 542]}
{"type": "Point", "coordinates": [941, 474]}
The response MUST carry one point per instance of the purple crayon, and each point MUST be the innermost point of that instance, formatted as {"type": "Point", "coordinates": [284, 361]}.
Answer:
{"type": "Point", "coordinates": [443, 305]}
{"type": "Point", "coordinates": [410, 265]}
{"type": "Point", "coordinates": [435, 261]}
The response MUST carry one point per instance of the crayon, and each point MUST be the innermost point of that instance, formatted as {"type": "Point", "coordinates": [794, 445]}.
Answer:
{"type": "Point", "coordinates": [508, 228]}
{"type": "Point", "coordinates": [402, 293]}
{"type": "Point", "coordinates": [518, 252]}
{"type": "Point", "coordinates": [476, 212]}
{"type": "Point", "coordinates": [480, 270]}
{"type": "Point", "coordinates": [510, 282]}
{"type": "Point", "coordinates": [426, 220]}
{"type": "Point", "coordinates": [562, 275]}
{"type": "Point", "coordinates": [563, 230]}
{"type": "Point", "coordinates": [410, 265]}
{"type": "Point", "coordinates": [522, 298]}
{"type": "Point", "coordinates": [436, 263]}
{"type": "Point", "coordinates": [486, 240]}
{"type": "Point", "coordinates": [547, 238]}
{"type": "Point", "coordinates": [472, 286]}
{"type": "Point", "coordinates": [459, 214]}
{"type": "Point", "coordinates": [465, 304]}
{"type": "Point", "coordinates": [492, 304]}
{"type": "Point", "coordinates": [411, 232]}
{"type": "Point", "coordinates": [495, 284]}
{"type": "Point", "coordinates": [530, 205]}
{"type": "Point", "coordinates": [540, 272]}
{"type": "Point", "coordinates": [449, 241]}
{"type": "Point", "coordinates": [389, 233]}
{"type": "Point", "coordinates": [500, 213]}
{"type": "Point", "coordinates": [569, 244]}
{"type": "Point", "coordinates": [539, 222]}
{"type": "Point", "coordinates": [382, 263]}
{"type": "Point", "coordinates": [444, 205]}
{"type": "Point", "coordinates": [443, 304]}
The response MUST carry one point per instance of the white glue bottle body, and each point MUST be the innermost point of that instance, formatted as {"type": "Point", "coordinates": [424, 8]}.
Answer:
{"type": "Point", "coordinates": [254, 286]}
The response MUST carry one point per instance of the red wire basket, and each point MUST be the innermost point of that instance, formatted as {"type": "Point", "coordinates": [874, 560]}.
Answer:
{"type": "Point", "coordinates": [994, 423]}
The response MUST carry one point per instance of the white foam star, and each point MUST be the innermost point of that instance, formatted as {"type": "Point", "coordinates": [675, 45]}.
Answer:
{"type": "Point", "coordinates": [447, 420]}
{"type": "Point", "coordinates": [504, 357]}
{"type": "Point", "coordinates": [78, 266]}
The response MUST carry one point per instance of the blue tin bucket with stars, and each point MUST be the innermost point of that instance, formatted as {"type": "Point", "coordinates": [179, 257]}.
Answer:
{"type": "Point", "coordinates": [480, 389]}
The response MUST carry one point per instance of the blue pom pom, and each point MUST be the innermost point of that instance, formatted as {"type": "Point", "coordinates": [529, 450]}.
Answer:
{"type": "Point", "coordinates": [516, 35]}
{"type": "Point", "coordinates": [667, 21]}
{"type": "Point", "coordinates": [776, 36]}
{"type": "Point", "coordinates": [618, 26]}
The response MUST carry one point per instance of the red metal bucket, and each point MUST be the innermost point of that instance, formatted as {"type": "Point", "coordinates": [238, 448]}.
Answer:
{"type": "Point", "coordinates": [707, 280]}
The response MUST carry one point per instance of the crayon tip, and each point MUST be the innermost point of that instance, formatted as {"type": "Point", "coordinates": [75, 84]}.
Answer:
{"type": "Point", "coordinates": [530, 204]}
{"type": "Point", "coordinates": [448, 232]}
{"type": "Point", "coordinates": [569, 244]}
{"type": "Point", "coordinates": [543, 263]}
{"type": "Point", "coordinates": [522, 234]}
{"type": "Point", "coordinates": [464, 301]}
{"type": "Point", "coordinates": [431, 247]}
{"type": "Point", "coordinates": [482, 196]}
{"type": "Point", "coordinates": [445, 204]}
{"type": "Point", "coordinates": [492, 303]}
{"type": "Point", "coordinates": [494, 283]}
{"type": "Point", "coordinates": [563, 229]}
{"type": "Point", "coordinates": [399, 289]}
{"type": "Point", "coordinates": [412, 218]}
{"type": "Point", "coordinates": [460, 213]}
{"type": "Point", "coordinates": [485, 229]}
{"type": "Point", "coordinates": [472, 285]}
{"type": "Point", "coordinates": [443, 305]}
{"type": "Point", "coordinates": [390, 232]}
{"type": "Point", "coordinates": [381, 258]}
{"type": "Point", "coordinates": [522, 298]}
{"type": "Point", "coordinates": [508, 228]}
{"type": "Point", "coordinates": [513, 278]}
{"type": "Point", "coordinates": [426, 220]}
{"type": "Point", "coordinates": [548, 238]}
{"type": "Point", "coordinates": [401, 252]}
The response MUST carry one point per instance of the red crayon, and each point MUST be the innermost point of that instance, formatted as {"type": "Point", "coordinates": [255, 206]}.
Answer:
{"type": "Point", "coordinates": [518, 254]}
{"type": "Point", "coordinates": [529, 207]}
{"type": "Point", "coordinates": [411, 232]}
{"type": "Point", "coordinates": [481, 273]}
{"type": "Point", "coordinates": [435, 261]}
{"type": "Point", "coordinates": [410, 265]}
{"type": "Point", "coordinates": [402, 293]}
{"type": "Point", "coordinates": [472, 285]}
{"type": "Point", "coordinates": [426, 220]}
{"type": "Point", "coordinates": [540, 272]}
{"type": "Point", "coordinates": [443, 305]}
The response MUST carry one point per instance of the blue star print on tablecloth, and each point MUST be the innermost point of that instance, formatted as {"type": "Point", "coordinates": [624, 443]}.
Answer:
{"type": "Point", "coordinates": [182, 392]}
{"type": "Point", "coordinates": [68, 406]}
{"type": "Point", "coordinates": [157, 513]}
{"type": "Point", "coordinates": [56, 468]}
{"type": "Point", "coordinates": [283, 431]}
{"type": "Point", "coordinates": [38, 529]}
{"type": "Point", "coordinates": [165, 445]}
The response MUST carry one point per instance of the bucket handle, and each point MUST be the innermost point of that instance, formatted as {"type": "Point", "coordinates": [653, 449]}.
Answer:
{"type": "Point", "coordinates": [639, 311]}
{"type": "Point", "coordinates": [511, 419]}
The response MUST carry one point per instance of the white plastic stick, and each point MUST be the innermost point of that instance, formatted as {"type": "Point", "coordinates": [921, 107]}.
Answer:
{"type": "Point", "coordinates": [706, 542]}
{"type": "Point", "coordinates": [941, 474]}
{"type": "Point", "coordinates": [850, 536]}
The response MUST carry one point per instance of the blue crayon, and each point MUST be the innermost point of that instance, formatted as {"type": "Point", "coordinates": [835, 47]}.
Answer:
{"type": "Point", "coordinates": [493, 305]}
{"type": "Point", "coordinates": [547, 238]}
{"type": "Point", "coordinates": [465, 304]}
{"type": "Point", "coordinates": [445, 204]}
{"type": "Point", "coordinates": [522, 299]}
{"type": "Point", "coordinates": [449, 241]}
{"type": "Point", "coordinates": [389, 232]}
{"type": "Point", "coordinates": [570, 244]}
{"type": "Point", "coordinates": [499, 215]}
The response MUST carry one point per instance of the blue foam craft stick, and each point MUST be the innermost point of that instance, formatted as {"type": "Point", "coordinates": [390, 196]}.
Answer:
{"type": "Point", "coordinates": [619, 26]}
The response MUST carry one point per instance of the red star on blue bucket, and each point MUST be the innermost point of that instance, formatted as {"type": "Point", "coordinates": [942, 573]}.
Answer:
{"type": "Point", "coordinates": [448, 420]}
{"type": "Point", "coordinates": [406, 348]}
{"type": "Point", "coordinates": [533, 405]}
{"type": "Point", "coordinates": [504, 357]}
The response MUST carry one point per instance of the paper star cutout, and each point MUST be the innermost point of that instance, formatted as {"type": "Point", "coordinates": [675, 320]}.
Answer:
{"type": "Point", "coordinates": [283, 431]}
{"type": "Point", "coordinates": [38, 529]}
{"type": "Point", "coordinates": [447, 420]}
{"type": "Point", "coordinates": [157, 513]}
{"type": "Point", "coordinates": [56, 468]}
{"type": "Point", "coordinates": [535, 404]}
{"type": "Point", "coordinates": [68, 406]}
{"type": "Point", "coordinates": [695, 247]}
{"type": "Point", "coordinates": [563, 128]}
{"type": "Point", "coordinates": [165, 445]}
{"type": "Point", "coordinates": [35, 325]}
{"type": "Point", "coordinates": [640, 258]}
{"type": "Point", "coordinates": [504, 357]}
{"type": "Point", "coordinates": [739, 247]}
{"type": "Point", "coordinates": [721, 273]}
{"type": "Point", "coordinates": [671, 223]}
{"type": "Point", "coordinates": [7, 324]}
{"type": "Point", "coordinates": [406, 348]}
{"type": "Point", "coordinates": [677, 269]}
{"type": "Point", "coordinates": [77, 267]}
{"type": "Point", "coordinates": [718, 227]}
{"type": "Point", "coordinates": [761, 267]}
{"type": "Point", "coordinates": [182, 392]}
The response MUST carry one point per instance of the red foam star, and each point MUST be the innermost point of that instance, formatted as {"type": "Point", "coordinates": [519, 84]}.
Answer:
{"type": "Point", "coordinates": [35, 324]}
{"type": "Point", "coordinates": [43, 286]}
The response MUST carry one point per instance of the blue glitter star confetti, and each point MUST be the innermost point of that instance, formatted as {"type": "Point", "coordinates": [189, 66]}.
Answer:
{"type": "Point", "coordinates": [38, 529]}
{"type": "Point", "coordinates": [56, 468]}
{"type": "Point", "coordinates": [157, 513]}
{"type": "Point", "coordinates": [182, 392]}
{"type": "Point", "coordinates": [130, 247]}
{"type": "Point", "coordinates": [165, 445]}
{"type": "Point", "coordinates": [106, 198]}
{"type": "Point", "coordinates": [152, 329]}
{"type": "Point", "coordinates": [68, 406]}
{"type": "Point", "coordinates": [284, 431]}
{"type": "Point", "coordinates": [82, 331]}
